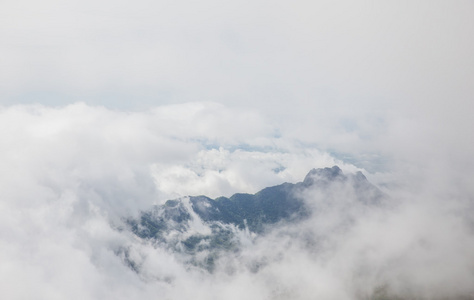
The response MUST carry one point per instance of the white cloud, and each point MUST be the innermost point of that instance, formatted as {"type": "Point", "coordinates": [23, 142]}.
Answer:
{"type": "Point", "coordinates": [107, 155]}
{"type": "Point", "coordinates": [70, 173]}
{"type": "Point", "coordinates": [218, 97]}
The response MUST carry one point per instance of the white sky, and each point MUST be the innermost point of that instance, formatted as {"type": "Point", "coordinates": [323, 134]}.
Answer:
{"type": "Point", "coordinates": [324, 73]}
{"type": "Point", "coordinates": [278, 54]}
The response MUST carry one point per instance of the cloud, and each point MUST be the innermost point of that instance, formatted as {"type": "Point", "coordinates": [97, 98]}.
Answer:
{"type": "Point", "coordinates": [108, 154]}
{"type": "Point", "coordinates": [70, 174]}
{"type": "Point", "coordinates": [109, 108]}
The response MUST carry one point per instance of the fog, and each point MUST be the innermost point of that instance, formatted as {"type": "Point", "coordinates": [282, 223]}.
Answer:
{"type": "Point", "coordinates": [70, 175]}
{"type": "Point", "coordinates": [108, 108]}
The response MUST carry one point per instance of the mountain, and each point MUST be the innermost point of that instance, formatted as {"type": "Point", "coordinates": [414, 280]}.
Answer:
{"type": "Point", "coordinates": [198, 224]}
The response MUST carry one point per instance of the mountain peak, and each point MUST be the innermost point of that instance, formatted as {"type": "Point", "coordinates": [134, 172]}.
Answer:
{"type": "Point", "coordinates": [324, 174]}
{"type": "Point", "coordinates": [198, 225]}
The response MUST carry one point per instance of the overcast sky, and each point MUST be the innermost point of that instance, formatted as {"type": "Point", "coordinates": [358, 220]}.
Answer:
{"type": "Point", "coordinates": [269, 55]}
{"type": "Point", "coordinates": [312, 68]}
{"type": "Point", "coordinates": [107, 107]}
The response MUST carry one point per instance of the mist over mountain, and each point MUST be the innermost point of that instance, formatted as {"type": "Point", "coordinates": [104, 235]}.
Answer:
{"type": "Point", "coordinates": [94, 207]}
{"type": "Point", "coordinates": [314, 228]}
{"type": "Point", "coordinates": [162, 150]}
{"type": "Point", "coordinates": [255, 211]}
{"type": "Point", "coordinates": [199, 225]}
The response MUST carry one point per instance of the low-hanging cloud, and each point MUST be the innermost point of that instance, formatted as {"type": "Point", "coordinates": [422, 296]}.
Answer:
{"type": "Point", "coordinates": [346, 249]}
{"type": "Point", "coordinates": [70, 175]}
{"type": "Point", "coordinates": [384, 88]}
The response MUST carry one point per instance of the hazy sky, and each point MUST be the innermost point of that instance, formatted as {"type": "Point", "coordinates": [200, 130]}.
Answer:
{"type": "Point", "coordinates": [107, 107]}
{"type": "Point", "coordinates": [321, 72]}
{"type": "Point", "coordinates": [269, 55]}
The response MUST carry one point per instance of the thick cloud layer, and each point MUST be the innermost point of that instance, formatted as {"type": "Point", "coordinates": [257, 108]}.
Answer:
{"type": "Point", "coordinates": [71, 174]}
{"type": "Point", "coordinates": [109, 107]}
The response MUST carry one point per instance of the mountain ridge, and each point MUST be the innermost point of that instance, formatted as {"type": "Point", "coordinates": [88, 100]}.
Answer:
{"type": "Point", "coordinates": [199, 226]}
{"type": "Point", "coordinates": [283, 202]}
